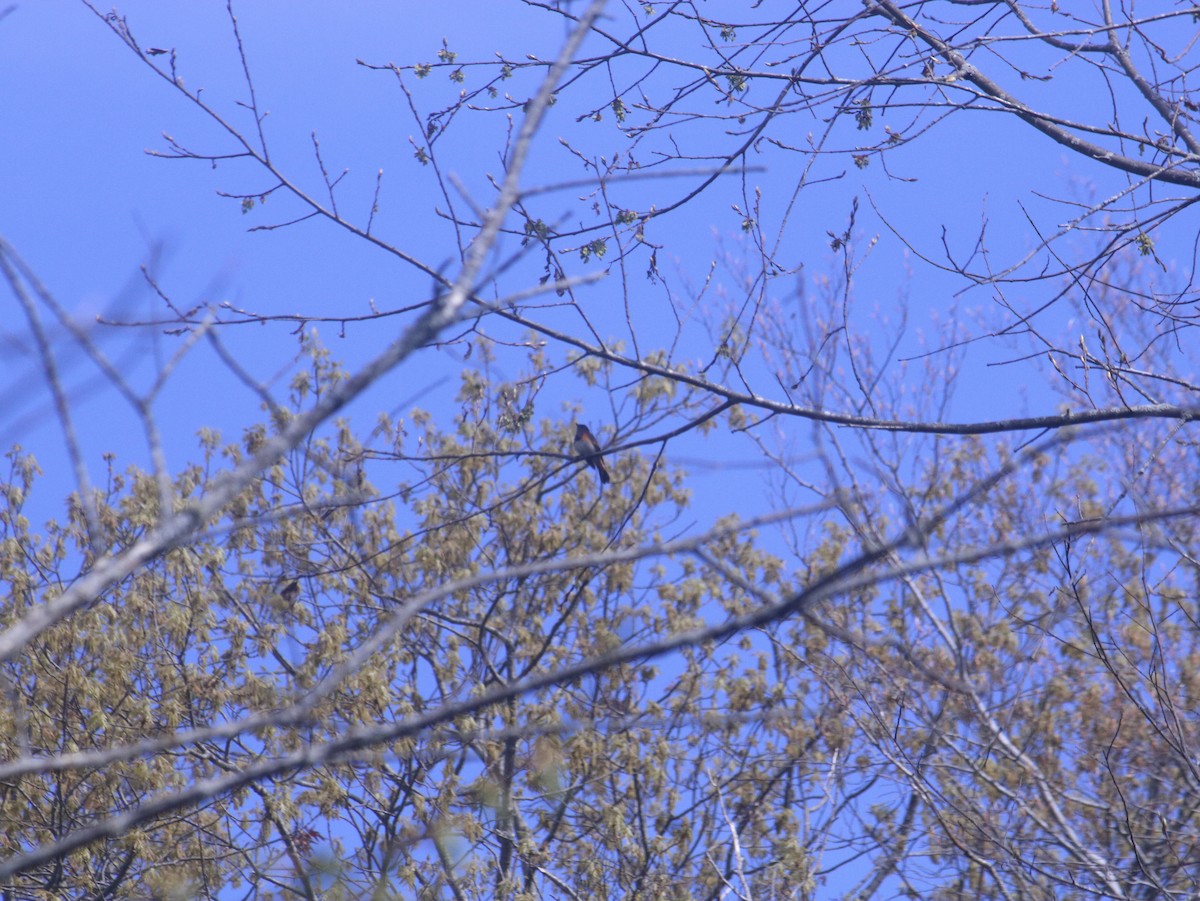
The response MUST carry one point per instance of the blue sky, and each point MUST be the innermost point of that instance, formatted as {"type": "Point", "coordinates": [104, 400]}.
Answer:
{"type": "Point", "coordinates": [86, 206]}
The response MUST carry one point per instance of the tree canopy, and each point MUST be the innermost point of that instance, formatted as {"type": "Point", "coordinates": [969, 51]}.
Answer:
{"type": "Point", "coordinates": [893, 593]}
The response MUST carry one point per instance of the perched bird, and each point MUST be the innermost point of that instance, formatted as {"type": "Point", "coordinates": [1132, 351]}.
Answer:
{"type": "Point", "coordinates": [588, 447]}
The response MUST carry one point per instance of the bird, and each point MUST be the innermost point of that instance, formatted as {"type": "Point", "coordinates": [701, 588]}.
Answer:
{"type": "Point", "coordinates": [588, 447]}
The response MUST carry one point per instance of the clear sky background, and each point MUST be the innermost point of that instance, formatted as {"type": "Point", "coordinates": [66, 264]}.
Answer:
{"type": "Point", "coordinates": [86, 206]}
